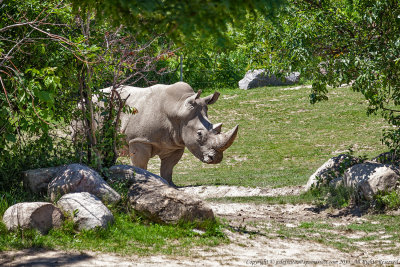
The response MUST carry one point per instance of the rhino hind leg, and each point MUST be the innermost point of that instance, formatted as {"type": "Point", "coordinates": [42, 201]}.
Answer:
{"type": "Point", "coordinates": [140, 154]}
{"type": "Point", "coordinates": [167, 164]}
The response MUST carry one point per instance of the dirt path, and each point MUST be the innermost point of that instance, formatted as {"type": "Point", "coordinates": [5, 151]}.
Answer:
{"type": "Point", "coordinates": [254, 238]}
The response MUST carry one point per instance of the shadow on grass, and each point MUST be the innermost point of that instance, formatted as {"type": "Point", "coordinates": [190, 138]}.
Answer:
{"type": "Point", "coordinates": [352, 211]}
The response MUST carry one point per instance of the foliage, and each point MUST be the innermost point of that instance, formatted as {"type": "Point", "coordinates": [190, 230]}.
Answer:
{"type": "Point", "coordinates": [115, 58]}
{"type": "Point", "coordinates": [387, 200]}
{"type": "Point", "coordinates": [52, 64]}
{"type": "Point", "coordinates": [331, 196]}
{"type": "Point", "coordinates": [181, 20]}
{"type": "Point", "coordinates": [342, 42]}
{"type": "Point", "coordinates": [207, 65]}
{"type": "Point", "coordinates": [35, 87]}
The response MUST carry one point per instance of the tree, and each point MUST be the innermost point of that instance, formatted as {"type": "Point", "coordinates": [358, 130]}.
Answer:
{"type": "Point", "coordinates": [51, 60]}
{"type": "Point", "coordinates": [33, 84]}
{"type": "Point", "coordinates": [342, 42]}
{"type": "Point", "coordinates": [111, 57]}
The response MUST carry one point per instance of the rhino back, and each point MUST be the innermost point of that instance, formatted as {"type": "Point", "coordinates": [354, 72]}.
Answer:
{"type": "Point", "coordinates": [157, 106]}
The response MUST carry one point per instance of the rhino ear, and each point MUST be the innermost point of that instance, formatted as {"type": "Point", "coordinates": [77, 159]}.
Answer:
{"type": "Point", "coordinates": [211, 99]}
{"type": "Point", "coordinates": [191, 100]}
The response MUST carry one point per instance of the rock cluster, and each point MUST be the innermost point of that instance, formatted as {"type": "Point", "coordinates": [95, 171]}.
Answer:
{"type": "Point", "coordinates": [82, 194]}
{"type": "Point", "coordinates": [366, 177]}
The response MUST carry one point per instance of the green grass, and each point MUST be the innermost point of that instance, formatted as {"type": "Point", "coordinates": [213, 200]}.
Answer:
{"type": "Point", "coordinates": [127, 235]}
{"type": "Point", "coordinates": [282, 138]}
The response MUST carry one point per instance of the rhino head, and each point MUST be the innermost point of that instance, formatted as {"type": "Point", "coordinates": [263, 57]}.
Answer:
{"type": "Point", "coordinates": [203, 139]}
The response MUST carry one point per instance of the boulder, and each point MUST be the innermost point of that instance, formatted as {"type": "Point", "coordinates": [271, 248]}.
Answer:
{"type": "Point", "coordinates": [332, 169]}
{"type": "Point", "coordinates": [33, 215]}
{"type": "Point", "coordinates": [129, 174]}
{"type": "Point", "coordinates": [87, 211]}
{"type": "Point", "coordinates": [370, 178]}
{"type": "Point", "coordinates": [75, 178]}
{"type": "Point", "coordinates": [153, 198]}
{"type": "Point", "coordinates": [259, 78]}
{"type": "Point", "coordinates": [38, 180]}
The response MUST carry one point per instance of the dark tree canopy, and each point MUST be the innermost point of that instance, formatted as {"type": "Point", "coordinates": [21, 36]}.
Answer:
{"type": "Point", "coordinates": [175, 17]}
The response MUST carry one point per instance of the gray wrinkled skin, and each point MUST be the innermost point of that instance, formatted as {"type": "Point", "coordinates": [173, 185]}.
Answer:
{"type": "Point", "coordinates": [170, 118]}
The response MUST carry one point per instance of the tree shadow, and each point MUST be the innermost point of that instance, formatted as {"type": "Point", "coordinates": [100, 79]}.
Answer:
{"type": "Point", "coordinates": [24, 258]}
{"type": "Point", "coordinates": [351, 211]}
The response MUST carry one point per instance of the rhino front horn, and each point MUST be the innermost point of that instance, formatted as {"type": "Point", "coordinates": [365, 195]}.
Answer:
{"type": "Point", "coordinates": [226, 139]}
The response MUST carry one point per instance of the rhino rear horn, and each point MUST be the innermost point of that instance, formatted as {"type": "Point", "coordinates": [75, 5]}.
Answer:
{"type": "Point", "coordinates": [225, 140]}
{"type": "Point", "coordinates": [217, 128]}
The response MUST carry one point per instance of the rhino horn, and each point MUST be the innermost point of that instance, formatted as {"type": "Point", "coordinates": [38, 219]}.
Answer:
{"type": "Point", "coordinates": [225, 140]}
{"type": "Point", "coordinates": [217, 128]}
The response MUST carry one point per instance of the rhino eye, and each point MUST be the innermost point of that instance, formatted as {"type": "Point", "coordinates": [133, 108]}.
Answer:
{"type": "Point", "coordinates": [199, 133]}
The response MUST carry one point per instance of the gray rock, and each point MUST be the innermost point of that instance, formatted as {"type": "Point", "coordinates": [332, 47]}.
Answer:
{"type": "Point", "coordinates": [332, 169]}
{"type": "Point", "coordinates": [161, 203]}
{"type": "Point", "coordinates": [129, 174]}
{"type": "Point", "coordinates": [33, 215]}
{"type": "Point", "coordinates": [370, 178]}
{"type": "Point", "coordinates": [86, 210]}
{"type": "Point", "coordinates": [80, 178]}
{"type": "Point", "coordinates": [38, 180]}
{"type": "Point", "coordinates": [259, 78]}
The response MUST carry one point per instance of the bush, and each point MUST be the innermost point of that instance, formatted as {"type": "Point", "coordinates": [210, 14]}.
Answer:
{"type": "Point", "coordinates": [44, 151]}
{"type": "Point", "coordinates": [337, 197]}
{"type": "Point", "coordinates": [387, 200]}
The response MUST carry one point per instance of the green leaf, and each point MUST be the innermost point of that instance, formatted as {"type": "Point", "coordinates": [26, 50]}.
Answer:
{"type": "Point", "coordinates": [45, 96]}
{"type": "Point", "coordinates": [11, 137]}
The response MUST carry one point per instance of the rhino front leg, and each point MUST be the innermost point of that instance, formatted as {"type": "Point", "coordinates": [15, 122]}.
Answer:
{"type": "Point", "coordinates": [167, 164]}
{"type": "Point", "coordinates": [140, 154]}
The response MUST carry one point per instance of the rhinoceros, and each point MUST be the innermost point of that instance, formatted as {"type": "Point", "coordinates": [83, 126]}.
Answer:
{"type": "Point", "coordinates": [170, 118]}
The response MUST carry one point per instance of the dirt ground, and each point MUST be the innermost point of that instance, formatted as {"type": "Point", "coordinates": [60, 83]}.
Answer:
{"type": "Point", "coordinates": [249, 245]}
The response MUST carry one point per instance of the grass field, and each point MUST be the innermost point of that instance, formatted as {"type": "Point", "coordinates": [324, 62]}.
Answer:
{"type": "Point", "coordinates": [282, 138]}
